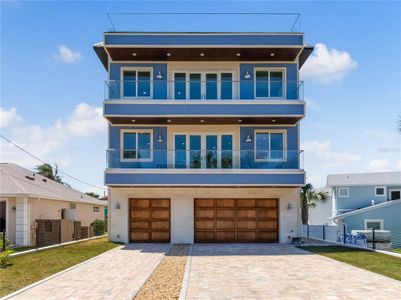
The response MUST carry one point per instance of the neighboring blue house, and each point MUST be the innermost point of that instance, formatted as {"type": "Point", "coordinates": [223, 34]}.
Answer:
{"type": "Point", "coordinates": [204, 133]}
{"type": "Point", "coordinates": [367, 200]}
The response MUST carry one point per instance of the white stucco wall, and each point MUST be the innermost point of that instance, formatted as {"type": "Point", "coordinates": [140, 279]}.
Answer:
{"type": "Point", "coordinates": [182, 210]}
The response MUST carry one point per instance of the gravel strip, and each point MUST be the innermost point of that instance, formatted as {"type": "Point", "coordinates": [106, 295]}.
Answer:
{"type": "Point", "coordinates": [166, 280]}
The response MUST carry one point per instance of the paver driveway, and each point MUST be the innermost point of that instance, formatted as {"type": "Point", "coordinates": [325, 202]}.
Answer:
{"type": "Point", "coordinates": [117, 274]}
{"type": "Point", "coordinates": [272, 271]}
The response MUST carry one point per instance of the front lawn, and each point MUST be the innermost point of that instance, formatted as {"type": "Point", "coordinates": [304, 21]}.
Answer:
{"type": "Point", "coordinates": [383, 264]}
{"type": "Point", "coordinates": [29, 268]}
{"type": "Point", "coordinates": [397, 250]}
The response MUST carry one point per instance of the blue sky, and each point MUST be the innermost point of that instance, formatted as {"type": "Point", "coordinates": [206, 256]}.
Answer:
{"type": "Point", "coordinates": [52, 82]}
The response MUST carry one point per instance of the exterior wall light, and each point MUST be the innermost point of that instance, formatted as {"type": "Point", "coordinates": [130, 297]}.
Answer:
{"type": "Point", "coordinates": [159, 75]}
{"type": "Point", "coordinates": [247, 75]}
{"type": "Point", "coordinates": [160, 139]}
{"type": "Point", "coordinates": [117, 206]}
{"type": "Point", "coordinates": [248, 138]}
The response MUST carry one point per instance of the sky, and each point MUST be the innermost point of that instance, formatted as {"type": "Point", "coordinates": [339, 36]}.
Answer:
{"type": "Point", "coordinates": [52, 83]}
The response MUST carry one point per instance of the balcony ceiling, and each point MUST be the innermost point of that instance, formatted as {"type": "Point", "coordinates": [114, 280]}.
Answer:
{"type": "Point", "coordinates": [204, 121]}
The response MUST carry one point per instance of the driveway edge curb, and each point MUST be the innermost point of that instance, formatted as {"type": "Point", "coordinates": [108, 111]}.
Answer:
{"type": "Point", "coordinates": [185, 280]}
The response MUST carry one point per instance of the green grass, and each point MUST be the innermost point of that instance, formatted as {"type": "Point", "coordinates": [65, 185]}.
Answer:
{"type": "Point", "coordinates": [397, 250]}
{"type": "Point", "coordinates": [29, 268]}
{"type": "Point", "coordinates": [383, 264]}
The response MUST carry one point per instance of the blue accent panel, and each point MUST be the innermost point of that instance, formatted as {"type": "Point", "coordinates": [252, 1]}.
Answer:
{"type": "Point", "coordinates": [204, 40]}
{"type": "Point", "coordinates": [197, 179]}
{"type": "Point", "coordinates": [360, 197]}
{"type": "Point", "coordinates": [159, 85]}
{"type": "Point", "coordinates": [202, 109]}
{"type": "Point", "coordinates": [159, 157]}
{"type": "Point", "coordinates": [247, 85]}
{"type": "Point", "coordinates": [248, 161]}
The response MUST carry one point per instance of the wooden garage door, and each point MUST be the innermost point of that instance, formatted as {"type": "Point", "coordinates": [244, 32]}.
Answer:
{"type": "Point", "coordinates": [150, 220]}
{"type": "Point", "coordinates": [236, 220]}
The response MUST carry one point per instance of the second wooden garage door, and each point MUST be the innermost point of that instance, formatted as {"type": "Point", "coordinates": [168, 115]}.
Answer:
{"type": "Point", "coordinates": [150, 220]}
{"type": "Point", "coordinates": [236, 220]}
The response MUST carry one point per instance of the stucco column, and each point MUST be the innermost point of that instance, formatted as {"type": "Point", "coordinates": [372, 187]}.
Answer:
{"type": "Point", "coordinates": [22, 233]}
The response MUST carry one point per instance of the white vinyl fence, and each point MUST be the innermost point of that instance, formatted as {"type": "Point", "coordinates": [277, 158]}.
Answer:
{"type": "Point", "coordinates": [331, 233]}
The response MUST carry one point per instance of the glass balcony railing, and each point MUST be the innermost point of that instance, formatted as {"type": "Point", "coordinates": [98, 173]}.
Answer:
{"type": "Point", "coordinates": [203, 90]}
{"type": "Point", "coordinates": [204, 159]}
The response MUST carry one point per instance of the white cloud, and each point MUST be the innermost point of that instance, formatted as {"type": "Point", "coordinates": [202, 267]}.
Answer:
{"type": "Point", "coordinates": [327, 65]}
{"type": "Point", "coordinates": [322, 152]}
{"type": "Point", "coordinates": [86, 120]}
{"type": "Point", "coordinates": [383, 165]}
{"type": "Point", "coordinates": [9, 118]}
{"type": "Point", "coordinates": [67, 55]}
{"type": "Point", "coordinates": [381, 134]}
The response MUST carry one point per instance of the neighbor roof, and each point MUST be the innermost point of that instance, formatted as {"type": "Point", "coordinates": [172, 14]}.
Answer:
{"type": "Point", "coordinates": [368, 208]}
{"type": "Point", "coordinates": [17, 181]}
{"type": "Point", "coordinates": [378, 178]}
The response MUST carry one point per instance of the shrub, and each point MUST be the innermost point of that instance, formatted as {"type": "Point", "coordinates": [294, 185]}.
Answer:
{"type": "Point", "coordinates": [8, 243]}
{"type": "Point", "coordinates": [4, 258]}
{"type": "Point", "coordinates": [99, 227]}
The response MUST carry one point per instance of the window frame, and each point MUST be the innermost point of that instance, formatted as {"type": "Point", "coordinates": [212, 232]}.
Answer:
{"type": "Point", "coordinates": [343, 188]}
{"type": "Point", "coordinates": [366, 221]}
{"type": "Point", "coordinates": [136, 69]}
{"type": "Point", "coordinates": [123, 131]}
{"type": "Point", "coordinates": [384, 191]}
{"type": "Point", "coordinates": [270, 131]}
{"type": "Point", "coordinates": [96, 209]}
{"type": "Point", "coordinates": [270, 69]}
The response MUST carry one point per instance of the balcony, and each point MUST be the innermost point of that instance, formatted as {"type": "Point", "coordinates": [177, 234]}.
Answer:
{"type": "Point", "coordinates": [213, 101]}
{"type": "Point", "coordinates": [204, 167]}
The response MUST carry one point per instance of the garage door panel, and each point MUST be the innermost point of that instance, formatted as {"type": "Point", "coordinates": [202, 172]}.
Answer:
{"type": "Point", "coordinates": [236, 220]}
{"type": "Point", "coordinates": [223, 203]}
{"type": "Point", "coordinates": [204, 225]}
{"type": "Point", "coordinates": [225, 225]}
{"type": "Point", "coordinates": [149, 220]}
{"type": "Point", "coordinates": [246, 225]}
{"type": "Point", "coordinates": [204, 213]}
{"type": "Point", "coordinates": [225, 213]}
{"type": "Point", "coordinates": [225, 236]}
{"type": "Point", "coordinates": [246, 213]}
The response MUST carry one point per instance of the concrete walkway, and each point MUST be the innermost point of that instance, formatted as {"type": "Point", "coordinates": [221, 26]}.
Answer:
{"type": "Point", "coordinates": [272, 271]}
{"type": "Point", "coordinates": [117, 274]}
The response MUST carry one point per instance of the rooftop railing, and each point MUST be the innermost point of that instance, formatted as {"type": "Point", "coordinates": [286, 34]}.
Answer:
{"type": "Point", "coordinates": [204, 90]}
{"type": "Point", "coordinates": [204, 159]}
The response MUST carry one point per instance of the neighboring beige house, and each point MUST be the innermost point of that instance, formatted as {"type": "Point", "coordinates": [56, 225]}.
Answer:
{"type": "Point", "coordinates": [26, 196]}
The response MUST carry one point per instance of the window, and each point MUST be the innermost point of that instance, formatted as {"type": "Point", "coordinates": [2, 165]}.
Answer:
{"type": "Point", "coordinates": [269, 83]}
{"type": "Point", "coordinates": [137, 145]}
{"type": "Point", "coordinates": [343, 192]}
{"type": "Point", "coordinates": [380, 191]}
{"type": "Point", "coordinates": [137, 83]}
{"type": "Point", "coordinates": [269, 145]}
{"type": "Point", "coordinates": [96, 209]}
{"type": "Point", "coordinates": [73, 206]}
{"type": "Point", "coordinates": [374, 224]}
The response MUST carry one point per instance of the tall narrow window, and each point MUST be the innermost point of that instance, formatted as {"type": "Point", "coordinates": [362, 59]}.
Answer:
{"type": "Point", "coordinates": [226, 86]}
{"type": "Point", "coordinates": [180, 152]}
{"type": "Point", "coordinates": [226, 151]}
{"type": "Point", "coordinates": [269, 145]}
{"type": "Point", "coordinates": [262, 84]}
{"type": "Point", "coordinates": [269, 84]}
{"type": "Point", "coordinates": [137, 145]}
{"type": "Point", "coordinates": [137, 83]}
{"type": "Point", "coordinates": [180, 86]}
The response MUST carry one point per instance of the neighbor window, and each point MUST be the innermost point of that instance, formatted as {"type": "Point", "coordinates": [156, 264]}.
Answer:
{"type": "Point", "coordinates": [374, 224]}
{"type": "Point", "coordinates": [137, 145]}
{"type": "Point", "coordinates": [343, 192]}
{"type": "Point", "coordinates": [269, 83]}
{"type": "Point", "coordinates": [96, 209]}
{"type": "Point", "coordinates": [137, 83]}
{"type": "Point", "coordinates": [380, 191]}
{"type": "Point", "coordinates": [269, 145]}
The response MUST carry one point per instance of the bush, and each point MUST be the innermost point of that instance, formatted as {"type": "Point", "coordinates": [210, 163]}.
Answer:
{"type": "Point", "coordinates": [4, 258]}
{"type": "Point", "coordinates": [8, 243]}
{"type": "Point", "coordinates": [99, 227]}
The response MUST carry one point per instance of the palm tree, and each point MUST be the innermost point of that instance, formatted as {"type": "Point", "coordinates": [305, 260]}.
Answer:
{"type": "Point", "coordinates": [309, 199]}
{"type": "Point", "coordinates": [47, 171]}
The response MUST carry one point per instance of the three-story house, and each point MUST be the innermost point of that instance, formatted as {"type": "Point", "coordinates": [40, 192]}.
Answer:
{"type": "Point", "coordinates": [204, 132]}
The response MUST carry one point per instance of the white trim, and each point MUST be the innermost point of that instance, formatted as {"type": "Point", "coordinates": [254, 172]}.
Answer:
{"type": "Point", "coordinates": [213, 102]}
{"type": "Point", "coordinates": [343, 188]}
{"type": "Point", "coordinates": [393, 190]}
{"type": "Point", "coordinates": [365, 223]}
{"type": "Point", "coordinates": [366, 209]}
{"type": "Point", "coordinates": [139, 46]}
{"type": "Point", "coordinates": [269, 131]}
{"type": "Point", "coordinates": [201, 115]}
{"type": "Point", "coordinates": [384, 191]}
{"type": "Point", "coordinates": [136, 69]}
{"type": "Point", "coordinates": [202, 171]}
{"type": "Point", "coordinates": [136, 131]}
{"type": "Point", "coordinates": [269, 69]}
{"type": "Point", "coordinates": [201, 33]}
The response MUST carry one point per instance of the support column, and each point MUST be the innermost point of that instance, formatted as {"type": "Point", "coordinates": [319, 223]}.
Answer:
{"type": "Point", "coordinates": [22, 236]}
